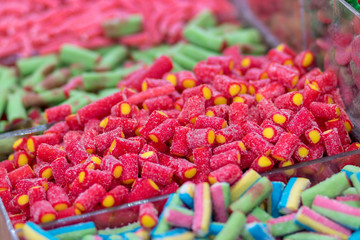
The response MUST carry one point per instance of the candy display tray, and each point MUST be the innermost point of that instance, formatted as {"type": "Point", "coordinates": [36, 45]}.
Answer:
{"type": "Point", "coordinates": [315, 170]}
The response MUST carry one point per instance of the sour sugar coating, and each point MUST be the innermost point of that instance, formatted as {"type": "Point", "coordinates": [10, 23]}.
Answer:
{"type": "Point", "coordinates": [57, 113]}
{"type": "Point", "coordinates": [115, 196]}
{"type": "Point", "coordinates": [233, 227]}
{"type": "Point", "coordinates": [35, 194]}
{"type": "Point", "coordinates": [220, 195]}
{"type": "Point", "coordinates": [337, 211]}
{"type": "Point", "coordinates": [227, 174]}
{"type": "Point", "coordinates": [223, 159]}
{"type": "Point", "coordinates": [247, 180]}
{"type": "Point", "coordinates": [158, 103]}
{"type": "Point", "coordinates": [21, 158]}
{"type": "Point", "coordinates": [186, 193]}
{"type": "Point", "coordinates": [258, 144]}
{"type": "Point", "coordinates": [42, 212]}
{"type": "Point", "coordinates": [350, 170]}
{"type": "Point", "coordinates": [49, 153]}
{"type": "Point", "coordinates": [193, 107]}
{"type": "Point", "coordinates": [203, 210]}
{"type": "Point", "coordinates": [202, 158]}
{"type": "Point", "coordinates": [340, 126]}
{"type": "Point", "coordinates": [111, 164]}
{"type": "Point", "coordinates": [201, 90]}
{"type": "Point", "coordinates": [272, 132]}
{"type": "Point", "coordinates": [33, 231]}
{"type": "Point", "coordinates": [164, 131]}
{"type": "Point", "coordinates": [311, 236]}
{"type": "Point", "coordinates": [183, 169]}
{"type": "Point", "coordinates": [103, 141]}
{"type": "Point", "coordinates": [128, 125]}
{"type": "Point", "coordinates": [332, 142]}
{"type": "Point", "coordinates": [238, 113]}
{"type": "Point", "coordinates": [130, 168]}
{"type": "Point", "coordinates": [148, 215]}
{"type": "Point", "coordinates": [292, 101]}
{"type": "Point", "coordinates": [285, 147]}
{"type": "Point", "coordinates": [89, 177]}
{"type": "Point", "coordinates": [262, 163]}
{"type": "Point", "coordinates": [121, 146]}
{"type": "Point", "coordinates": [20, 173]}
{"type": "Point", "coordinates": [253, 196]}
{"type": "Point", "coordinates": [283, 225]}
{"type": "Point", "coordinates": [324, 110]}
{"type": "Point", "coordinates": [76, 231]}
{"type": "Point", "coordinates": [34, 142]}
{"type": "Point", "coordinates": [143, 188]}
{"type": "Point", "coordinates": [313, 135]}
{"type": "Point", "coordinates": [313, 221]}
{"type": "Point", "coordinates": [179, 146]}
{"type": "Point", "coordinates": [226, 85]}
{"type": "Point", "coordinates": [204, 137]}
{"type": "Point", "coordinates": [155, 118]}
{"type": "Point", "coordinates": [158, 173]}
{"type": "Point", "coordinates": [58, 198]}
{"type": "Point", "coordinates": [215, 123]}
{"type": "Point", "coordinates": [300, 122]}
{"type": "Point", "coordinates": [274, 199]}
{"type": "Point", "coordinates": [87, 200]}
{"type": "Point", "coordinates": [178, 216]}
{"type": "Point", "coordinates": [330, 187]}
{"type": "Point", "coordinates": [259, 231]}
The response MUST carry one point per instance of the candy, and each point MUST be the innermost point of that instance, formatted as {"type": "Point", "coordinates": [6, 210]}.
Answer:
{"type": "Point", "coordinates": [257, 143]}
{"type": "Point", "coordinates": [233, 226]}
{"type": "Point", "coordinates": [243, 184]}
{"type": "Point", "coordinates": [179, 217]}
{"type": "Point", "coordinates": [183, 168]}
{"type": "Point", "coordinates": [143, 188]}
{"type": "Point", "coordinates": [313, 135]}
{"type": "Point", "coordinates": [130, 170]}
{"type": "Point", "coordinates": [330, 187]}
{"type": "Point", "coordinates": [300, 122]}
{"type": "Point", "coordinates": [75, 231]}
{"type": "Point", "coordinates": [228, 173]}
{"type": "Point", "coordinates": [285, 147]}
{"type": "Point", "coordinates": [34, 142]}
{"type": "Point", "coordinates": [202, 213]}
{"type": "Point", "coordinates": [43, 170]}
{"type": "Point", "coordinates": [220, 195]}
{"type": "Point", "coordinates": [284, 74]}
{"type": "Point", "coordinates": [292, 101]}
{"type": "Point", "coordinates": [111, 164]}
{"type": "Point", "coordinates": [258, 231]}
{"type": "Point", "coordinates": [158, 103]}
{"type": "Point", "coordinates": [88, 199]}
{"type": "Point", "coordinates": [253, 196]}
{"type": "Point", "coordinates": [313, 221]}
{"type": "Point", "coordinates": [148, 215]}
{"type": "Point", "coordinates": [274, 199]}
{"type": "Point", "coordinates": [339, 212]}
{"type": "Point", "coordinates": [179, 145]}
{"type": "Point", "coordinates": [282, 226]}
{"type": "Point", "coordinates": [340, 126]}
{"type": "Point", "coordinates": [222, 159]}
{"type": "Point", "coordinates": [58, 198]}
{"type": "Point", "coordinates": [290, 198]}
{"type": "Point", "coordinates": [57, 113]}
{"type": "Point", "coordinates": [122, 146]}
{"type": "Point", "coordinates": [42, 212]}
{"type": "Point", "coordinates": [229, 134]}
{"type": "Point", "coordinates": [49, 153]}
{"type": "Point", "coordinates": [238, 113]}
{"type": "Point", "coordinates": [164, 131]}
{"type": "Point", "coordinates": [89, 177]}
{"type": "Point", "coordinates": [35, 194]}
{"type": "Point", "coordinates": [200, 138]}
{"type": "Point", "coordinates": [32, 232]}
{"type": "Point", "coordinates": [332, 142]}
{"type": "Point", "coordinates": [262, 163]}
{"type": "Point", "coordinates": [21, 158]}
{"type": "Point", "coordinates": [114, 197]}
{"type": "Point", "coordinates": [20, 173]}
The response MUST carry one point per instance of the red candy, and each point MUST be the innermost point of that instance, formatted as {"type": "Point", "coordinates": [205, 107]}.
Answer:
{"type": "Point", "coordinates": [35, 194]}
{"type": "Point", "coordinates": [58, 198]}
{"type": "Point", "coordinates": [87, 200]}
{"type": "Point", "coordinates": [48, 153]}
{"type": "Point", "coordinates": [111, 164]}
{"type": "Point", "coordinates": [238, 113]}
{"type": "Point", "coordinates": [204, 121]}
{"type": "Point", "coordinates": [257, 143]}
{"type": "Point", "coordinates": [148, 215]}
{"type": "Point", "coordinates": [332, 142]}
{"type": "Point", "coordinates": [20, 173]}
{"type": "Point", "coordinates": [202, 159]}
{"type": "Point", "coordinates": [121, 146]}
{"type": "Point", "coordinates": [228, 173]}
{"type": "Point", "coordinates": [103, 141]}
{"type": "Point", "coordinates": [285, 147]}
{"type": "Point", "coordinates": [183, 169]}
{"type": "Point", "coordinates": [164, 131]}
{"type": "Point", "coordinates": [158, 103]}
{"type": "Point", "coordinates": [115, 196]}
{"type": "Point", "coordinates": [300, 122]}
{"type": "Point", "coordinates": [57, 113]}
{"type": "Point", "coordinates": [131, 169]}
{"type": "Point", "coordinates": [59, 167]}
{"type": "Point", "coordinates": [34, 142]}
{"type": "Point", "coordinates": [42, 212]}
{"type": "Point", "coordinates": [262, 163]}
{"type": "Point", "coordinates": [158, 173]}
{"type": "Point", "coordinates": [230, 157]}
{"type": "Point", "coordinates": [324, 110]}
{"type": "Point", "coordinates": [204, 137]}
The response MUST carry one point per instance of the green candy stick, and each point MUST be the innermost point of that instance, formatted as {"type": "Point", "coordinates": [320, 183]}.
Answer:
{"type": "Point", "coordinates": [3, 100]}
{"type": "Point", "coordinates": [141, 56]}
{"type": "Point", "coordinates": [39, 74]}
{"type": "Point", "coordinates": [196, 53]}
{"type": "Point", "coordinates": [112, 58]}
{"type": "Point", "coordinates": [309, 236]}
{"type": "Point", "coordinates": [261, 214]}
{"type": "Point", "coordinates": [233, 227]}
{"type": "Point", "coordinates": [56, 79]}
{"type": "Point", "coordinates": [253, 197]}
{"type": "Point", "coordinates": [107, 92]}
{"type": "Point", "coordinates": [53, 96]}
{"type": "Point", "coordinates": [224, 28]}
{"type": "Point", "coordinates": [243, 36]}
{"type": "Point", "coordinates": [94, 81]}
{"type": "Point", "coordinates": [8, 78]}
{"type": "Point", "coordinates": [70, 54]}
{"type": "Point", "coordinates": [121, 27]}
{"type": "Point", "coordinates": [120, 230]}
{"type": "Point", "coordinates": [201, 37]}
{"type": "Point", "coordinates": [77, 102]}
{"type": "Point", "coordinates": [29, 65]}
{"type": "Point", "coordinates": [205, 19]}
{"type": "Point", "coordinates": [350, 190]}
{"type": "Point", "coordinates": [184, 61]}
{"type": "Point", "coordinates": [15, 109]}
{"type": "Point", "coordinates": [331, 187]}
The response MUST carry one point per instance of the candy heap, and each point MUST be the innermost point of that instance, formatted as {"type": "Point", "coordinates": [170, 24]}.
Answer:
{"type": "Point", "coordinates": [162, 129]}
{"type": "Point", "coordinates": [78, 76]}
{"type": "Point", "coordinates": [39, 27]}
{"type": "Point", "coordinates": [252, 208]}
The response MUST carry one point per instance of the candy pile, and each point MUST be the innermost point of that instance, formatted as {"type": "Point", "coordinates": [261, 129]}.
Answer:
{"type": "Point", "coordinates": [252, 208]}
{"type": "Point", "coordinates": [41, 27]}
{"type": "Point", "coordinates": [232, 113]}
{"type": "Point", "coordinates": [78, 76]}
